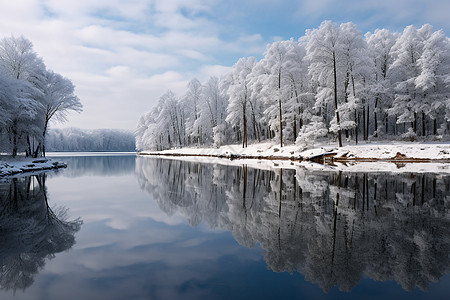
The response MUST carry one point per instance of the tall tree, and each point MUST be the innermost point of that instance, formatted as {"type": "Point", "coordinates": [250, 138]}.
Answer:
{"type": "Point", "coordinates": [356, 73]}
{"type": "Point", "coordinates": [407, 51]}
{"type": "Point", "coordinates": [380, 44]}
{"type": "Point", "coordinates": [58, 99]}
{"type": "Point", "coordinates": [324, 51]}
{"type": "Point", "coordinates": [433, 81]}
{"type": "Point", "coordinates": [19, 61]}
{"type": "Point", "coordinates": [192, 103]}
{"type": "Point", "coordinates": [240, 93]}
{"type": "Point", "coordinates": [213, 108]}
{"type": "Point", "coordinates": [278, 75]}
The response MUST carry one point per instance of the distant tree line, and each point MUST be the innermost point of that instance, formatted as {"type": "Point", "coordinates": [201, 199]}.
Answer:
{"type": "Point", "coordinates": [30, 97]}
{"type": "Point", "coordinates": [333, 83]}
{"type": "Point", "coordinates": [74, 139]}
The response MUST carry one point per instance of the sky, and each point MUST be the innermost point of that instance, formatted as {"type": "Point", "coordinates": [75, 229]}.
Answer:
{"type": "Point", "coordinates": [123, 55]}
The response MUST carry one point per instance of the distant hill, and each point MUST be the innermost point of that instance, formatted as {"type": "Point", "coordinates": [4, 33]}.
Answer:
{"type": "Point", "coordinates": [75, 139]}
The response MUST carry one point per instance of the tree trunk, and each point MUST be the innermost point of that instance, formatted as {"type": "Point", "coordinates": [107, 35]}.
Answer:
{"type": "Point", "coordinates": [336, 100]}
{"type": "Point", "coordinates": [423, 123]}
{"type": "Point", "coordinates": [29, 151]}
{"type": "Point", "coordinates": [375, 120]}
{"type": "Point", "coordinates": [364, 123]}
{"type": "Point", "coordinates": [356, 127]}
{"type": "Point", "coordinates": [368, 123]}
{"type": "Point", "coordinates": [279, 105]}
{"type": "Point", "coordinates": [415, 123]}
{"type": "Point", "coordinates": [244, 123]}
{"type": "Point", "coordinates": [14, 151]}
{"type": "Point", "coordinates": [294, 128]}
{"type": "Point", "coordinates": [386, 125]}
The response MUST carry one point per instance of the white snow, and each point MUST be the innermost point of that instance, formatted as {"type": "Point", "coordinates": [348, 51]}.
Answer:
{"type": "Point", "coordinates": [432, 151]}
{"type": "Point", "coordinates": [274, 156]}
{"type": "Point", "coordinates": [10, 166]}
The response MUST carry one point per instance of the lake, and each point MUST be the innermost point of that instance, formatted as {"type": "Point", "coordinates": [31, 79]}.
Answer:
{"type": "Point", "coordinates": [117, 226]}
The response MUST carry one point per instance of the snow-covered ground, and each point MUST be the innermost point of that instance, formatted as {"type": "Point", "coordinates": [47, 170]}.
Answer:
{"type": "Point", "coordinates": [10, 166]}
{"type": "Point", "coordinates": [383, 151]}
{"type": "Point", "coordinates": [274, 156]}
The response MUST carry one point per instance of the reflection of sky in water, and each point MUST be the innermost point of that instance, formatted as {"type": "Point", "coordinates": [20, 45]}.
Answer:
{"type": "Point", "coordinates": [128, 248]}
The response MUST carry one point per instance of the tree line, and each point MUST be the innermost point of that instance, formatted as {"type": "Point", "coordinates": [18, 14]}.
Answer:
{"type": "Point", "coordinates": [333, 83]}
{"type": "Point", "coordinates": [75, 139]}
{"type": "Point", "coordinates": [30, 97]}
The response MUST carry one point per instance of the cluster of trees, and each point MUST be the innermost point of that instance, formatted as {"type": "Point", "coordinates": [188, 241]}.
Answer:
{"type": "Point", "coordinates": [30, 96]}
{"type": "Point", "coordinates": [333, 227]}
{"type": "Point", "coordinates": [334, 82]}
{"type": "Point", "coordinates": [75, 139]}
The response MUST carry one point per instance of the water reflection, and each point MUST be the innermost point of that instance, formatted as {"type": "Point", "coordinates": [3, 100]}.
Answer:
{"type": "Point", "coordinates": [334, 228]}
{"type": "Point", "coordinates": [96, 164]}
{"type": "Point", "coordinates": [30, 230]}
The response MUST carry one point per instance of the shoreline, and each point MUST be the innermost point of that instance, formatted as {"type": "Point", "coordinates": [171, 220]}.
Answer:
{"type": "Point", "coordinates": [24, 166]}
{"type": "Point", "coordinates": [370, 157]}
{"type": "Point", "coordinates": [365, 152]}
{"type": "Point", "coordinates": [317, 158]}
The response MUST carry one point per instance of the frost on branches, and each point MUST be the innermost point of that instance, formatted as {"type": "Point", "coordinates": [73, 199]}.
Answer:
{"type": "Point", "coordinates": [333, 83]}
{"type": "Point", "coordinates": [30, 97]}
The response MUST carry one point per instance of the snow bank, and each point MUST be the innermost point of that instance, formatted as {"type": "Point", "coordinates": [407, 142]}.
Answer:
{"type": "Point", "coordinates": [380, 151]}
{"type": "Point", "coordinates": [9, 166]}
{"type": "Point", "coordinates": [381, 157]}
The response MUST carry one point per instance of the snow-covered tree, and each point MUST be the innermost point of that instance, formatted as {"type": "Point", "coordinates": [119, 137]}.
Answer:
{"type": "Point", "coordinates": [433, 81]}
{"type": "Point", "coordinates": [325, 53]}
{"type": "Point", "coordinates": [58, 99]}
{"type": "Point", "coordinates": [380, 44]}
{"type": "Point", "coordinates": [75, 139]}
{"type": "Point", "coordinates": [407, 51]}
{"type": "Point", "coordinates": [355, 79]}
{"type": "Point", "coordinates": [192, 104]}
{"type": "Point", "coordinates": [21, 63]}
{"type": "Point", "coordinates": [309, 133]}
{"type": "Point", "coordinates": [30, 97]}
{"type": "Point", "coordinates": [240, 94]}
{"type": "Point", "coordinates": [278, 81]}
{"type": "Point", "coordinates": [213, 110]}
{"type": "Point", "coordinates": [333, 78]}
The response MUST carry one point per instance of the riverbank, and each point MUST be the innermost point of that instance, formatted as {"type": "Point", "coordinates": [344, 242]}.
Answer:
{"type": "Point", "coordinates": [12, 166]}
{"type": "Point", "coordinates": [392, 157]}
{"type": "Point", "coordinates": [392, 151]}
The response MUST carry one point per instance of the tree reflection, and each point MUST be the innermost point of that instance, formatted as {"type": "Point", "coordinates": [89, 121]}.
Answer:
{"type": "Point", "coordinates": [30, 231]}
{"type": "Point", "coordinates": [332, 227]}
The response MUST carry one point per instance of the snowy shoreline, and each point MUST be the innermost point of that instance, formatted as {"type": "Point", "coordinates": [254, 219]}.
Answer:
{"type": "Point", "coordinates": [394, 151]}
{"type": "Point", "coordinates": [10, 167]}
{"type": "Point", "coordinates": [373, 157]}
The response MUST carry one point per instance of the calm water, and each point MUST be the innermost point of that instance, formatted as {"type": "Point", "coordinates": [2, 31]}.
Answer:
{"type": "Point", "coordinates": [126, 227]}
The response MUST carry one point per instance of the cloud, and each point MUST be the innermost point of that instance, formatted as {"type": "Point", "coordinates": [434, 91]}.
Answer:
{"type": "Point", "coordinates": [122, 56]}
{"type": "Point", "coordinates": [213, 70]}
{"type": "Point", "coordinates": [373, 14]}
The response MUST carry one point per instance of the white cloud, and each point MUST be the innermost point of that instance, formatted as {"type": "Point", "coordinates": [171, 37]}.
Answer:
{"type": "Point", "coordinates": [123, 55]}
{"type": "Point", "coordinates": [213, 70]}
{"type": "Point", "coordinates": [373, 14]}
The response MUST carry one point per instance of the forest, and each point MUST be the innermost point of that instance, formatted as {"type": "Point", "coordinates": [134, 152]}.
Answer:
{"type": "Point", "coordinates": [75, 139]}
{"type": "Point", "coordinates": [30, 97]}
{"type": "Point", "coordinates": [334, 83]}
